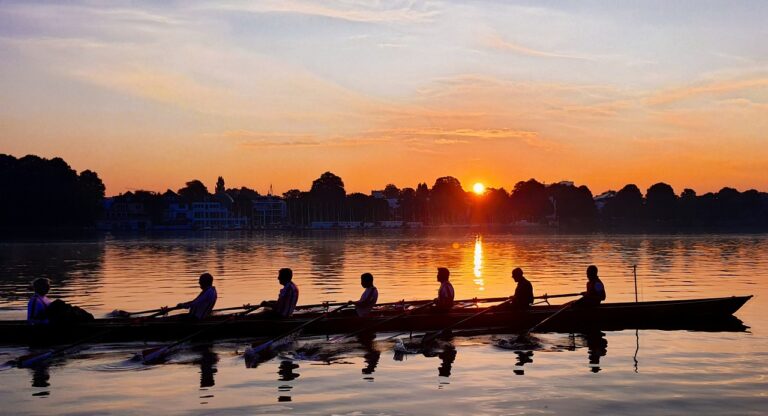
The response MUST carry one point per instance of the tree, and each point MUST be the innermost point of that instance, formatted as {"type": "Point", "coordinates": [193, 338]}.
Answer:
{"type": "Point", "coordinates": [194, 191]}
{"type": "Point", "coordinates": [575, 205]}
{"type": "Point", "coordinates": [39, 193]}
{"type": "Point", "coordinates": [530, 201]}
{"type": "Point", "coordinates": [328, 186]}
{"type": "Point", "coordinates": [220, 185]}
{"type": "Point", "coordinates": [626, 205]}
{"type": "Point", "coordinates": [661, 202]}
{"type": "Point", "coordinates": [448, 201]}
{"type": "Point", "coordinates": [391, 191]}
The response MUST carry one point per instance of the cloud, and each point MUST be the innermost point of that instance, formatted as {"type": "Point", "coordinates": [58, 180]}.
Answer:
{"type": "Point", "coordinates": [351, 11]}
{"type": "Point", "coordinates": [711, 88]}
{"type": "Point", "coordinates": [495, 41]}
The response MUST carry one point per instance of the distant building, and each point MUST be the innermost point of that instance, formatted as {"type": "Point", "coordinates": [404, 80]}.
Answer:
{"type": "Point", "coordinates": [602, 199]}
{"type": "Point", "coordinates": [122, 214]}
{"type": "Point", "coordinates": [269, 212]}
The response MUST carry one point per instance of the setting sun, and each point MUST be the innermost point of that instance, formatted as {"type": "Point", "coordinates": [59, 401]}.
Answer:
{"type": "Point", "coordinates": [478, 188]}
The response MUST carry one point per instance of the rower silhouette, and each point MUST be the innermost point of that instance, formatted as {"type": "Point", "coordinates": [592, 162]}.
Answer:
{"type": "Point", "coordinates": [445, 295]}
{"type": "Point", "coordinates": [595, 289]}
{"type": "Point", "coordinates": [523, 297]}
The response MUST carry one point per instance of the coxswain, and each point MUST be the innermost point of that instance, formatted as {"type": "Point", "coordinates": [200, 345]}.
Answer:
{"type": "Point", "coordinates": [39, 302]}
{"type": "Point", "coordinates": [289, 295]}
{"type": "Point", "coordinates": [595, 289]}
{"type": "Point", "coordinates": [202, 306]}
{"type": "Point", "coordinates": [445, 294]}
{"type": "Point", "coordinates": [523, 297]}
{"type": "Point", "coordinates": [369, 297]}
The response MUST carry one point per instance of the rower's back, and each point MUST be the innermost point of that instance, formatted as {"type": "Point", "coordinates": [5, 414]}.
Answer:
{"type": "Point", "coordinates": [595, 293]}
{"type": "Point", "coordinates": [289, 294]}
{"type": "Point", "coordinates": [445, 294]}
{"type": "Point", "coordinates": [37, 308]}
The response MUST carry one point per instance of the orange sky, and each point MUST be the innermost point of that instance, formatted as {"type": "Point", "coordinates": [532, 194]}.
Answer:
{"type": "Point", "coordinates": [279, 92]}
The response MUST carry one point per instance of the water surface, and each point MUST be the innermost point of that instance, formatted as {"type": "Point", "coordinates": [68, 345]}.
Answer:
{"type": "Point", "coordinates": [629, 372]}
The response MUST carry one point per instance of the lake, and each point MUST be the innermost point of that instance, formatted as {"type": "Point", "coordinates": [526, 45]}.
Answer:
{"type": "Point", "coordinates": [621, 372]}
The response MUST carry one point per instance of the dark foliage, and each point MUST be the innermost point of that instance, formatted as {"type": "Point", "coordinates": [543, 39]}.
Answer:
{"type": "Point", "coordinates": [42, 193]}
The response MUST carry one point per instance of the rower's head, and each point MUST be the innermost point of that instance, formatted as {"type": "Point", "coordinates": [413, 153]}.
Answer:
{"type": "Point", "coordinates": [517, 274]}
{"type": "Point", "coordinates": [443, 274]}
{"type": "Point", "coordinates": [205, 280]}
{"type": "Point", "coordinates": [284, 276]}
{"type": "Point", "coordinates": [592, 272]}
{"type": "Point", "coordinates": [41, 286]}
{"type": "Point", "coordinates": [366, 280]}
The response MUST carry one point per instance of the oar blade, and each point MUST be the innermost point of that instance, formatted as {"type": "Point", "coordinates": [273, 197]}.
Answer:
{"type": "Point", "coordinates": [31, 360]}
{"type": "Point", "coordinates": [155, 355]}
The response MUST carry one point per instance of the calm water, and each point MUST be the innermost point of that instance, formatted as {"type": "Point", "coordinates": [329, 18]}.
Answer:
{"type": "Point", "coordinates": [628, 372]}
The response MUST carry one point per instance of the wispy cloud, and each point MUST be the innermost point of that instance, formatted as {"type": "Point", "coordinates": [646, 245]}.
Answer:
{"type": "Point", "coordinates": [495, 41]}
{"type": "Point", "coordinates": [352, 11]}
{"type": "Point", "coordinates": [710, 88]}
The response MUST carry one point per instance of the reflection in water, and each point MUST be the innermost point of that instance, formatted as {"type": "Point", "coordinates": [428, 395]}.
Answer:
{"type": "Point", "coordinates": [207, 361]}
{"type": "Point", "coordinates": [285, 373]}
{"type": "Point", "coordinates": [478, 263]}
{"type": "Point", "coordinates": [40, 375]}
{"type": "Point", "coordinates": [597, 347]}
{"type": "Point", "coordinates": [447, 357]}
{"type": "Point", "coordinates": [637, 348]}
{"type": "Point", "coordinates": [523, 358]}
{"type": "Point", "coordinates": [372, 355]}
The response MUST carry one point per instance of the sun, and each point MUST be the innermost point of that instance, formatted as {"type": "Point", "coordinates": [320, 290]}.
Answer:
{"type": "Point", "coordinates": [478, 188]}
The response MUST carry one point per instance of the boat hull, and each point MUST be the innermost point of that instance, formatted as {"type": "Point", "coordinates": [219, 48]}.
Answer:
{"type": "Point", "coordinates": [714, 314]}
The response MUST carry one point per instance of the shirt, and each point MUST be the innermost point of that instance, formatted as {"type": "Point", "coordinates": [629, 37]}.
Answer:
{"type": "Point", "coordinates": [445, 295]}
{"type": "Point", "coordinates": [287, 300]}
{"type": "Point", "coordinates": [595, 290]}
{"type": "Point", "coordinates": [523, 293]}
{"type": "Point", "coordinates": [202, 306]}
{"type": "Point", "coordinates": [36, 309]}
{"type": "Point", "coordinates": [367, 301]}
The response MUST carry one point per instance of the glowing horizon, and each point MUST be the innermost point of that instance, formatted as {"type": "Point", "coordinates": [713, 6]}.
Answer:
{"type": "Point", "coordinates": [276, 93]}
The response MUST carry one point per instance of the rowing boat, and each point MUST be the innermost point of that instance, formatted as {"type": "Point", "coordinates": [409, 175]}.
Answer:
{"type": "Point", "coordinates": [711, 314]}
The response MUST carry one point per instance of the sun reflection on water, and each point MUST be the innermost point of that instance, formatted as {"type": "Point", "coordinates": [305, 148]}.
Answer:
{"type": "Point", "coordinates": [478, 263]}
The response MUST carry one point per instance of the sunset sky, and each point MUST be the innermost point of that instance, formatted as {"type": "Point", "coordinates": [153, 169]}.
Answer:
{"type": "Point", "coordinates": [603, 93]}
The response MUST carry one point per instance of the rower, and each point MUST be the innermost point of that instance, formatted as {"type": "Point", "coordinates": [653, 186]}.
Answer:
{"type": "Point", "coordinates": [286, 301]}
{"type": "Point", "coordinates": [202, 306]}
{"type": "Point", "coordinates": [523, 297]}
{"type": "Point", "coordinates": [39, 302]}
{"type": "Point", "coordinates": [369, 297]}
{"type": "Point", "coordinates": [595, 289]}
{"type": "Point", "coordinates": [445, 294]}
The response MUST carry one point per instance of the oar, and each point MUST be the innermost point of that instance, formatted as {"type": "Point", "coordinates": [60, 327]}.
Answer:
{"type": "Point", "coordinates": [368, 328]}
{"type": "Point", "coordinates": [545, 320]}
{"type": "Point", "coordinates": [155, 354]}
{"type": "Point", "coordinates": [255, 350]}
{"type": "Point", "coordinates": [430, 337]}
{"type": "Point", "coordinates": [29, 360]}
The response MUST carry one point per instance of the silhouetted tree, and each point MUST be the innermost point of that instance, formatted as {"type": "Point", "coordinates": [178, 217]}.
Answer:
{"type": "Point", "coordinates": [575, 205]}
{"type": "Point", "coordinates": [194, 191]}
{"type": "Point", "coordinates": [448, 201]}
{"type": "Point", "coordinates": [530, 201]}
{"type": "Point", "coordinates": [626, 205]}
{"type": "Point", "coordinates": [39, 193]}
{"type": "Point", "coordinates": [661, 202]}
{"type": "Point", "coordinates": [220, 186]}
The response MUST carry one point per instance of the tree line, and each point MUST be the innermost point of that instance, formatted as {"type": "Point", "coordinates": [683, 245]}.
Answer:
{"type": "Point", "coordinates": [47, 193]}
{"type": "Point", "coordinates": [38, 192]}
